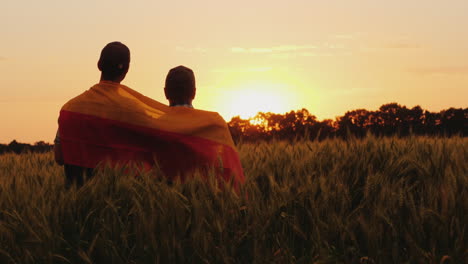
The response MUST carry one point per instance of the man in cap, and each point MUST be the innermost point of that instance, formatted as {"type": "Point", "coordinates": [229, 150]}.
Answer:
{"type": "Point", "coordinates": [113, 63]}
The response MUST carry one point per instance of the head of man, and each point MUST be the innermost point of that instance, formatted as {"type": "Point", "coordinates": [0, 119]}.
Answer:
{"type": "Point", "coordinates": [114, 62]}
{"type": "Point", "coordinates": [180, 86]}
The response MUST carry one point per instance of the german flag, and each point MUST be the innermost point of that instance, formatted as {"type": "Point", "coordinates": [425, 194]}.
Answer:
{"type": "Point", "coordinates": [112, 123]}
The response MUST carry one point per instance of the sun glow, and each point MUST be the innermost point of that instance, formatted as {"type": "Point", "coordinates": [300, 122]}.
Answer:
{"type": "Point", "coordinates": [257, 121]}
{"type": "Point", "coordinates": [252, 98]}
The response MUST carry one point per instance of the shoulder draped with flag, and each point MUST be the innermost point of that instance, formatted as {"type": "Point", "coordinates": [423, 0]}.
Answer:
{"type": "Point", "coordinates": [113, 123]}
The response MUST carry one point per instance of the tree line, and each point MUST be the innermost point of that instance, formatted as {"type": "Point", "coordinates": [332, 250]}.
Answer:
{"type": "Point", "coordinates": [389, 120]}
{"type": "Point", "coordinates": [16, 147]}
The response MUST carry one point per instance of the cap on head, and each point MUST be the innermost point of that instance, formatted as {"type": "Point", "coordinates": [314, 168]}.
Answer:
{"type": "Point", "coordinates": [180, 85]}
{"type": "Point", "coordinates": [114, 60]}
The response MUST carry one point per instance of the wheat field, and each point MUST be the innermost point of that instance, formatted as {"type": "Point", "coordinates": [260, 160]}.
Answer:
{"type": "Point", "coordinates": [375, 200]}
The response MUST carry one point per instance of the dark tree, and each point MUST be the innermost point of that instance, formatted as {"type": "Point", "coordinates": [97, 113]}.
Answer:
{"type": "Point", "coordinates": [389, 120]}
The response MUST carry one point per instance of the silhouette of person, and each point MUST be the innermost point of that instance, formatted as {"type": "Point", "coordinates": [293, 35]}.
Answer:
{"type": "Point", "coordinates": [187, 157]}
{"type": "Point", "coordinates": [113, 63]}
{"type": "Point", "coordinates": [180, 88]}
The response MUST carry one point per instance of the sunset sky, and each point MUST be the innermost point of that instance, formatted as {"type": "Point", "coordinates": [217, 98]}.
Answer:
{"type": "Point", "coordinates": [248, 56]}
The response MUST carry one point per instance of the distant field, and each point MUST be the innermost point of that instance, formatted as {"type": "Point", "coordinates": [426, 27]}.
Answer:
{"type": "Point", "coordinates": [361, 201]}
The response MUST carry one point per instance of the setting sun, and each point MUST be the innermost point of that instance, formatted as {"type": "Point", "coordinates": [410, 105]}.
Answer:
{"type": "Point", "coordinates": [249, 99]}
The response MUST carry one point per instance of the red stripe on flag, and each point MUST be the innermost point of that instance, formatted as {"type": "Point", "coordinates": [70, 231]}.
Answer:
{"type": "Point", "coordinates": [88, 140]}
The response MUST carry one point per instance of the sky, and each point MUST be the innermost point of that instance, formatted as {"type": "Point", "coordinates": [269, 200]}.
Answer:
{"type": "Point", "coordinates": [328, 56]}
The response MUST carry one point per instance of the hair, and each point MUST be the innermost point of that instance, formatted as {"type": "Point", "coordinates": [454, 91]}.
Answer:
{"type": "Point", "coordinates": [114, 60]}
{"type": "Point", "coordinates": [180, 85]}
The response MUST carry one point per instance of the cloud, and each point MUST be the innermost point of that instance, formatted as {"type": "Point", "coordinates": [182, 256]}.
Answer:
{"type": "Point", "coordinates": [276, 49]}
{"type": "Point", "coordinates": [304, 54]}
{"type": "Point", "coordinates": [238, 50]}
{"type": "Point", "coordinates": [296, 51]}
{"type": "Point", "coordinates": [261, 50]}
{"type": "Point", "coordinates": [440, 70]}
{"type": "Point", "coordinates": [243, 70]}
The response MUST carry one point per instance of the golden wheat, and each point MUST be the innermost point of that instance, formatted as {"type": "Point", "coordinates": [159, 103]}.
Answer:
{"type": "Point", "coordinates": [376, 200]}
